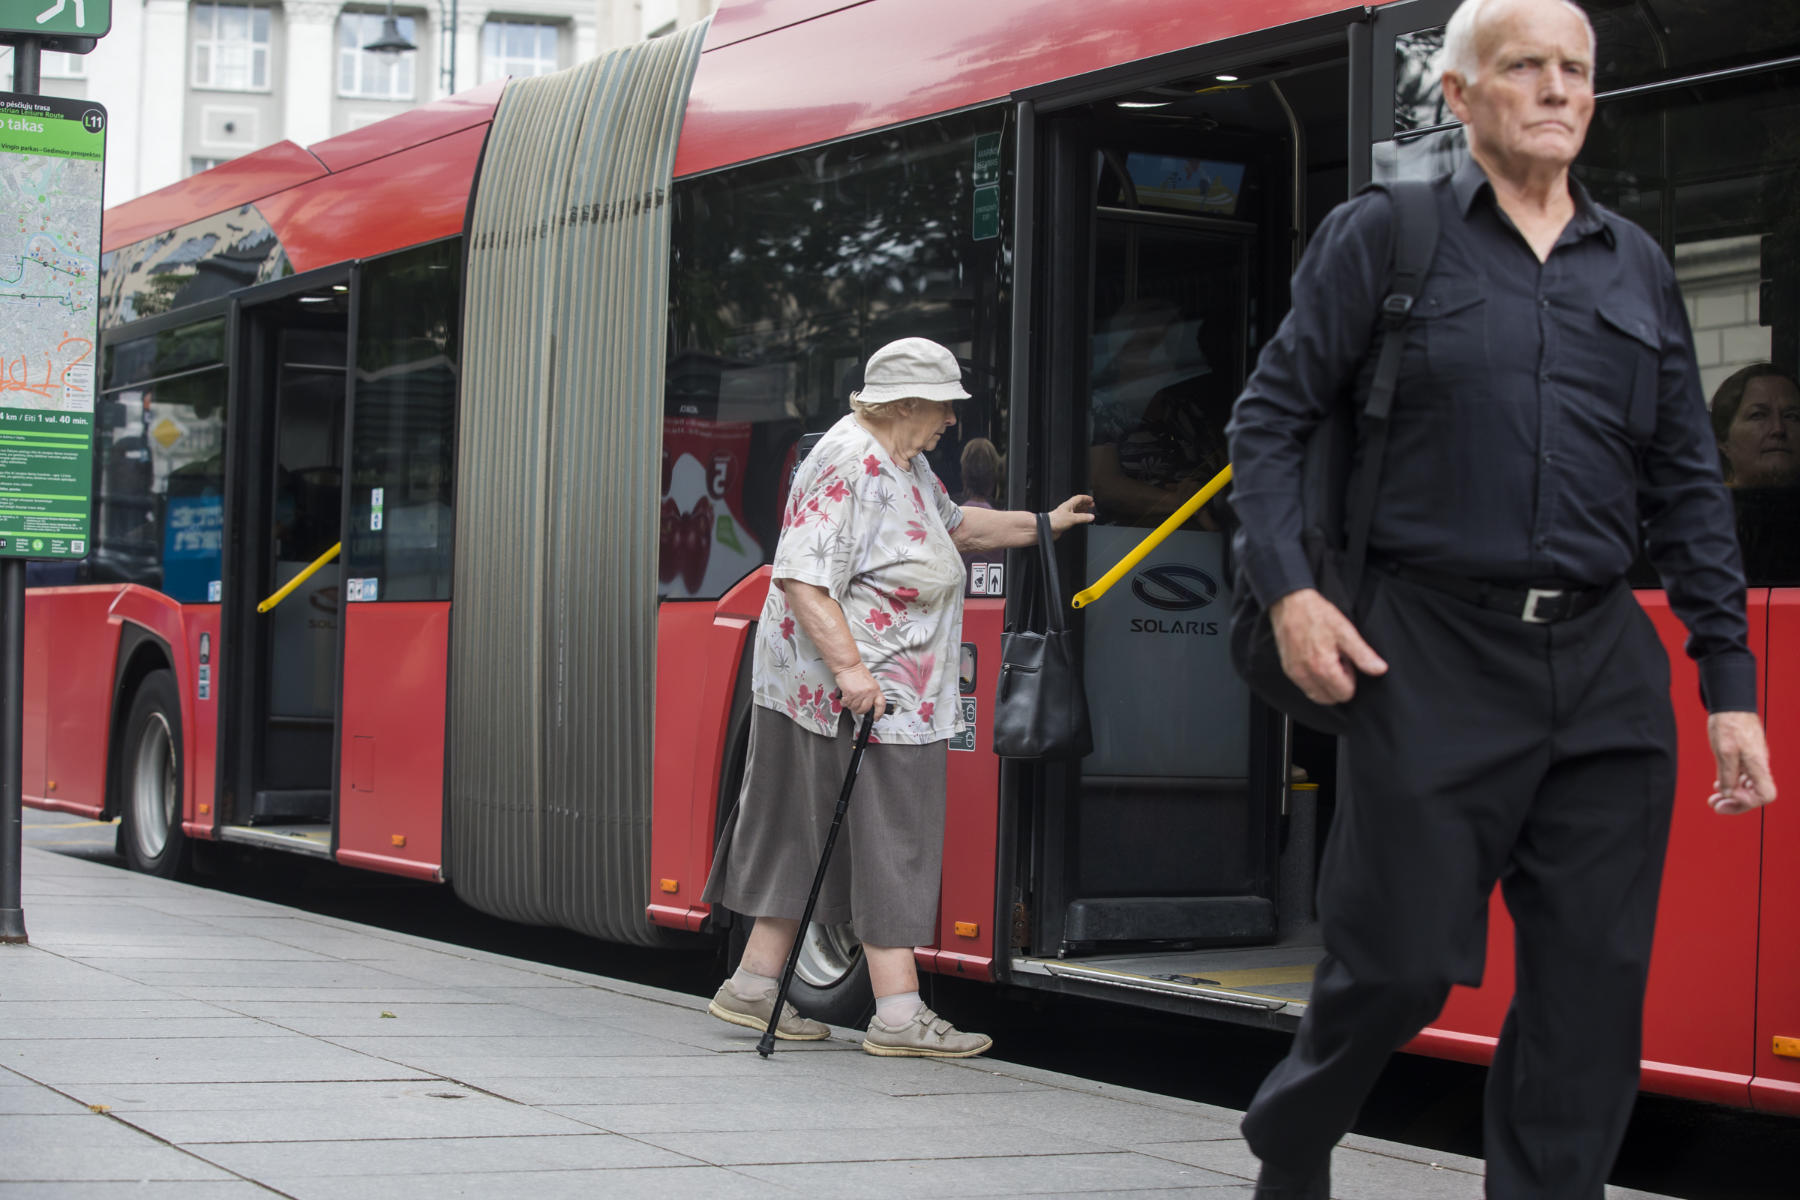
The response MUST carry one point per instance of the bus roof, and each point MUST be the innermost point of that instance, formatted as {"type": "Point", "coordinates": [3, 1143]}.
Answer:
{"type": "Point", "coordinates": [775, 75]}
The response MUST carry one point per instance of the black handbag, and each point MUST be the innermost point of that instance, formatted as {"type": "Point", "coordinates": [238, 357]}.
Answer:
{"type": "Point", "coordinates": [1040, 706]}
{"type": "Point", "coordinates": [1335, 537]}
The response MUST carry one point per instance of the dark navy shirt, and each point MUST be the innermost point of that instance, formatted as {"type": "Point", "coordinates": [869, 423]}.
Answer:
{"type": "Point", "coordinates": [1547, 423]}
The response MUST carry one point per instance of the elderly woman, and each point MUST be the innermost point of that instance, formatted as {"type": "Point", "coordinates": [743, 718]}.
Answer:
{"type": "Point", "coordinates": [865, 615]}
{"type": "Point", "coordinates": [1756, 419]}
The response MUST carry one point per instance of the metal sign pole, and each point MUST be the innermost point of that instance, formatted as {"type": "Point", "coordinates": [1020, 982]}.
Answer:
{"type": "Point", "coordinates": [12, 662]}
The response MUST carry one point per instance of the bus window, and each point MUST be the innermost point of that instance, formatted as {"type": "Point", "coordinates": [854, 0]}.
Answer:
{"type": "Point", "coordinates": [404, 423]}
{"type": "Point", "coordinates": [786, 276]}
{"type": "Point", "coordinates": [159, 467]}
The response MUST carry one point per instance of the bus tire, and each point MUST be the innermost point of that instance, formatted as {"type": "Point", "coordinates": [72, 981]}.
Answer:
{"type": "Point", "coordinates": [149, 780]}
{"type": "Point", "coordinates": [831, 983]}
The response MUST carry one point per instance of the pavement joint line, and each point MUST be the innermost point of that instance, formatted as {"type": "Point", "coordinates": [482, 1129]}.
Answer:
{"type": "Point", "coordinates": [104, 1111]}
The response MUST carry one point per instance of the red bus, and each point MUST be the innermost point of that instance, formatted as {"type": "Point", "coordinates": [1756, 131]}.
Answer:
{"type": "Point", "coordinates": [536, 360]}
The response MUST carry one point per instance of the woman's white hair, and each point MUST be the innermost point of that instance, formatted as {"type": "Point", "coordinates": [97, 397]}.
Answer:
{"type": "Point", "coordinates": [1461, 54]}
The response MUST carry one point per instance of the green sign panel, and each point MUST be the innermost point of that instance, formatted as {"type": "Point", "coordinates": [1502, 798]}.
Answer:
{"type": "Point", "coordinates": [987, 213]}
{"type": "Point", "coordinates": [51, 18]}
{"type": "Point", "coordinates": [987, 159]}
{"type": "Point", "coordinates": [52, 154]}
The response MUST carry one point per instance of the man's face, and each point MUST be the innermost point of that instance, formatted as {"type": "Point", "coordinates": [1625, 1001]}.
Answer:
{"type": "Point", "coordinates": [1531, 102]}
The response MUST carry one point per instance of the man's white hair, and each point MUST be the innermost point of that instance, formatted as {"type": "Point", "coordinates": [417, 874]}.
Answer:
{"type": "Point", "coordinates": [1460, 53]}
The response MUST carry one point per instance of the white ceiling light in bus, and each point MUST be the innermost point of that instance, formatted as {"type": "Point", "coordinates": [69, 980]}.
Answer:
{"type": "Point", "coordinates": [1144, 103]}
{"type": "Point", "coordinates": [1226, 78]}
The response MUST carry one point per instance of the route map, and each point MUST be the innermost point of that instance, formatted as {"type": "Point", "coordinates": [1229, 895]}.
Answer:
{"type": "Point", "coordinates": [52, 154]}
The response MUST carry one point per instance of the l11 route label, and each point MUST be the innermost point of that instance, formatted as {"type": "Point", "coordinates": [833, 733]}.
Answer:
{"type": "Point", "coordinates": [52, 159]}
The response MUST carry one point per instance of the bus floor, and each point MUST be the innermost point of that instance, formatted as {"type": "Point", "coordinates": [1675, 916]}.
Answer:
{"type": "Point", "coordinates": [1270, 977]}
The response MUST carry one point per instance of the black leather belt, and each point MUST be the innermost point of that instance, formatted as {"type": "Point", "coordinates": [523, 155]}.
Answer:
{"type": "Point", "coordinates": [1533, 605]}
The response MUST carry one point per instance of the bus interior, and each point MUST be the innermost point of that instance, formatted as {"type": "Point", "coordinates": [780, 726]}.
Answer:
{"type": "Point", "coordinates": [1177, 860]}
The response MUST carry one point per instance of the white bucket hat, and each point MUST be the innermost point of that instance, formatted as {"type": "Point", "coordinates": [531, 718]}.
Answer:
{"type": "Point", "coordinates": [911, 367]}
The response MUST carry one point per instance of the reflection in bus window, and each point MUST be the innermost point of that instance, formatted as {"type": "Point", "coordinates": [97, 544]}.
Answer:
{"type": "Point", "coordinates": [160, 463]}
{"type": "Point", "coordinates": [786, 276]}
{"type": "Point", "coordinates": [405, 418]}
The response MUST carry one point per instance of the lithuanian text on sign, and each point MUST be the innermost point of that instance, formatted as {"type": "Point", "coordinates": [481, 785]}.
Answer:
{"type": "Point", "coordinates": [68, 18]}
{"type": "Point", "coordinates": [52, 154]}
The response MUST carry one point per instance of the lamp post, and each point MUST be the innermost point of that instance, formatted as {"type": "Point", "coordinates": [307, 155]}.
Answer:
{"type": "Point", "coordinates": [390, 41]}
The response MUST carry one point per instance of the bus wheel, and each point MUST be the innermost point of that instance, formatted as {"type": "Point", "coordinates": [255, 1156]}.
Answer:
{"type": "Point", "coordinates": [831, 980]}
{"type": "Point", "coordinates": [150, 780]}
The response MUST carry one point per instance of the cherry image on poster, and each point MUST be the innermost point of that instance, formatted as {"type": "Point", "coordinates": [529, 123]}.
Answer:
{"type": "Point", "coordinates": [706, 546]}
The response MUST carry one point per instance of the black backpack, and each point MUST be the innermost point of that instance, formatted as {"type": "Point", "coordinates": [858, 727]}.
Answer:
{"type": "Point", "coordinates": [1335, 531]}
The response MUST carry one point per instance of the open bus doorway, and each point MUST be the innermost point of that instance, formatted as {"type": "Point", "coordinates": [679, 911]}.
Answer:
{"type": "Point", "coordinates": [1181, 855]}
{"type": "Point", "coordinates": [279, 740]}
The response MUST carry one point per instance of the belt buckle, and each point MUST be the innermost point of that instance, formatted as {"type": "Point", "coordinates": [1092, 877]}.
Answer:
{"type": "Point", "coordinates": [1535, 596]}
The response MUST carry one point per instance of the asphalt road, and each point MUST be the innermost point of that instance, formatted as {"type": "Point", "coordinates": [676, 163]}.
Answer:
{"type": "Point", "coordinates": [1695, 1151]}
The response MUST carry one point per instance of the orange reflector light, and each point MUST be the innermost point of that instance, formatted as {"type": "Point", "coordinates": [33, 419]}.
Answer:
{"type": "Point", "coordinates": [1788, 1047]}
{"type": "Point", "coordinates": [51, 785]}
{"type": "Point", "coordinates": [671, 886]}
{"type": "Point", "coordinates": [967, 929]}
{"type": "Point", "coordinates": [399, 839]}
{"type": "Point", "coordinates": [205, 808]}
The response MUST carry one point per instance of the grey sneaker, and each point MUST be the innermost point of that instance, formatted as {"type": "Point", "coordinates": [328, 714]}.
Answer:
{"type": "Point", "coordinates": [927, 1035]}
{"type": "Point", "coordinates": [752, 1012]}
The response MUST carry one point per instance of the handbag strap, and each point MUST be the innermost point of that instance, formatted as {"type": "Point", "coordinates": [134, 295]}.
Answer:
{"type": "Point", "coordinates": [1415, 241]}
{"type": "Point", "coordinates": [1056, 621]}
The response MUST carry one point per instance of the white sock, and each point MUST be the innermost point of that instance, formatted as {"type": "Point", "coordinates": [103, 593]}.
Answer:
{"type": "Point", "coordinates": [898, 1009]}
{"type": "Point", "coordinates": [750, 985]}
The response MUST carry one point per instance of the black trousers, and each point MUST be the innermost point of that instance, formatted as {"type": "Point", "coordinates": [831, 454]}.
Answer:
{"type": "Point", "coordinates": [1538, 756]}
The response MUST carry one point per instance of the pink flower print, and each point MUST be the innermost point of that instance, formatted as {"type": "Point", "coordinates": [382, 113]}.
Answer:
{"type": "Point", "coordinates": [907, 593]}
{"type": "Point", "coordinates": [871, 465]}
{"type": "Point", "coordinates": [918, 501]}
{"type": "Point", "coordinates": [878, 620]}
{"type": "Point", "coordinates": [787, 628]}
{"type": "Point", "coordinates": [837, 491]}
{"type": "Point", "coordinates": [940, 485]}
{"type": "Point", "coordinates": [915, 531]}
{"type": "Point", "coordinates": [837, 702]}
{"type": "Point", "coordinates": [925, 711]}
{"type": "Point", "coordinates": [805, 695]}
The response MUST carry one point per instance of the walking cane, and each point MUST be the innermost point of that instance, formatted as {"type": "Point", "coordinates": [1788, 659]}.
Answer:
{"type": "Point", "coordinates": [766, 1047]}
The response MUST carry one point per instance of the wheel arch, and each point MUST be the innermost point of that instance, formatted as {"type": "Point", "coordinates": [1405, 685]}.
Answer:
{"type": "Point", "coordinates": [141, 651]}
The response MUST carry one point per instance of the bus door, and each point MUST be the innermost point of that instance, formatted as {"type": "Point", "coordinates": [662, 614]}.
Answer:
{"type": "Point", "coordinates": [1172, 216]}
{"type": "Point", "coordinates": [289, 484]}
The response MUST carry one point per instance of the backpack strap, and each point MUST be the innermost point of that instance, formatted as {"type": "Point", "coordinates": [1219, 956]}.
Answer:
{"type": "Point", "coordinates": [1415, 242]}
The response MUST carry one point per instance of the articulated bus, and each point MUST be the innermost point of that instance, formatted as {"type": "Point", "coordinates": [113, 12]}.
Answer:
{"type": "Point", "coordinates": [534, 362]}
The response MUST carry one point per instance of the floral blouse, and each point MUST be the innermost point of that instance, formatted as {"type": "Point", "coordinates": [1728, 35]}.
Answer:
{"type": "Point", "coordinates": [877, 538]}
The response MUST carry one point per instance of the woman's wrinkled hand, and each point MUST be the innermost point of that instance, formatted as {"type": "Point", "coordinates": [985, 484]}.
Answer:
{"type": "Point", "coordinates": [859, 692]}
{"type": "Point", "coordinates": [1076, 510]}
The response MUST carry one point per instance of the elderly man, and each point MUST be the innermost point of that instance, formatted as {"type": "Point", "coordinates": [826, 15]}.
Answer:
{"type": "Point", "coordinates": [1507, 699]}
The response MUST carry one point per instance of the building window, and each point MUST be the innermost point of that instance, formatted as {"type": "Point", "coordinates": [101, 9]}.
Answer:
{"type": "Point", "coordinates": [197, 165]}
{"type": "Point", "coordinates": [517, 48]}
{"type": "Point", "coordinates": [659, 17]}
{"type": "Point", "coordinates": [373, 76]}
{"type": "Point", "coordinates": [56, 65]}
{"type": "Point", "coordinates": [231, 47]}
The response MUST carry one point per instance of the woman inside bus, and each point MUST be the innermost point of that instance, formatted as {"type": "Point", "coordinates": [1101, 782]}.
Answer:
{"type": "Point", "coordinates": [865, 615]}
{"type": "Point", "coordinates": [1756, 419]}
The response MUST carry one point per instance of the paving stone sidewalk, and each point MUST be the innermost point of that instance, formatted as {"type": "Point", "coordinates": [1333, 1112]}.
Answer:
{"type": "Point", "coordinates": [158, 1040]}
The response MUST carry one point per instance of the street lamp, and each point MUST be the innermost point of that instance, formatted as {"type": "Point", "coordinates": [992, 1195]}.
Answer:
{"type": "Point", "coordinates": [391, 42]}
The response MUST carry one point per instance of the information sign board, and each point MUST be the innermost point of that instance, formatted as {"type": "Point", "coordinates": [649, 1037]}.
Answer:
{"type": "Point", "coordinates": [50, 18]}
{"type": "Point", "coordinates": [52, 156]}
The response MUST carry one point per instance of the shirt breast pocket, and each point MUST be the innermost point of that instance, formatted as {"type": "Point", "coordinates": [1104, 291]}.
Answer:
{"type": "Point", "coordinates": [1629, 348]}
{"type": "Point", "coordinates": [1451, 328]}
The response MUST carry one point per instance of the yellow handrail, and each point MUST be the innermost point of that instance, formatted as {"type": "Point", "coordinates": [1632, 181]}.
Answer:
{"type": "Point", "coordinates": [1176, 520]}
{"type": "Point", "coordinates": [299, 579]}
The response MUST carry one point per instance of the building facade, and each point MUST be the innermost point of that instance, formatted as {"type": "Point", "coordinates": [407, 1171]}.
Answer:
{"type": "Point", "coordinates": [189, 84]}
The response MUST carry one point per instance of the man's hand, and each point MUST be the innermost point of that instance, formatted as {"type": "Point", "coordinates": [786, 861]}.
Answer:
{"type": "Point", "coordinates": [1319, 646]}
{"type": "Point", "coordinates": [860, 692]}
{"type": "Point", "coordinates": [1742, 754]}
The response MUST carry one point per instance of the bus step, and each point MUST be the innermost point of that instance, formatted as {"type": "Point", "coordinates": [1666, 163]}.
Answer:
{"type": "Point", "coordinates": [291, 804]}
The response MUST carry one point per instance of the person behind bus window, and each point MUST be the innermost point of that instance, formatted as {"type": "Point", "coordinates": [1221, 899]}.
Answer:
{"type": "Point", "coordinates": [864, 615]}
{"type": "Point", "coordinates": [1756, 418]}
{"type": "Point", "coordinates": [981, 484]}
{"type": "Point", "coordinates": [1159, 414]}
